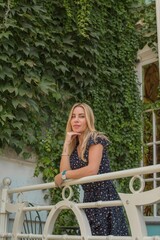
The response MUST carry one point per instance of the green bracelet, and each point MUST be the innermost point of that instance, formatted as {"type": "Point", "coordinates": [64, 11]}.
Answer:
{"type": "Point", "coordinates": [64, 175]}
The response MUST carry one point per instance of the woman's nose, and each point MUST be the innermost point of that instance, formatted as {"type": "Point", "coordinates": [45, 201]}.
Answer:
{"type": "Point", "coordinates": [76, 119]}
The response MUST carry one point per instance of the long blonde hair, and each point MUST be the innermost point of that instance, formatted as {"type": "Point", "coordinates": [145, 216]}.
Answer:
{"type": "Point", "coordinates": [88, 132]}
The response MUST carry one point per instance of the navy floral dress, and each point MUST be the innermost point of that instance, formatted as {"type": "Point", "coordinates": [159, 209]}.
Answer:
{"type": "Point", "coordinates": [108, 220]}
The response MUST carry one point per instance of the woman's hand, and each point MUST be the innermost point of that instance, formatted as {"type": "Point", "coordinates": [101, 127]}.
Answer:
{"type": "Point", "coordinates": [58, 180]}
{"type": "Point", "coordinates": [70, 136]}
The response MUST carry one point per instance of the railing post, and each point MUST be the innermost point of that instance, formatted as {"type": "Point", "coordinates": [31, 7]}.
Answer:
{"type": "Point", "coordinates": [4, 198]}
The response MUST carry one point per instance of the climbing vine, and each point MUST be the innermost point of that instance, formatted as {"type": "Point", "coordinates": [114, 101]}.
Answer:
{"type": "Point", "coordinates": [78, 11]}
{"type": "Point", "coordinates": [148, 24]}
{"type": "Point", "coordinates": [105, 81]}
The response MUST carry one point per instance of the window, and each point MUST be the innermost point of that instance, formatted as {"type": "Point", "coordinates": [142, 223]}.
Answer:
{"type": "Point", "coordinates": [151, 154]}
{"type": "Point", "coordinates": [148, 75]}
{"type": "Point", "coordinates": [151, 131]}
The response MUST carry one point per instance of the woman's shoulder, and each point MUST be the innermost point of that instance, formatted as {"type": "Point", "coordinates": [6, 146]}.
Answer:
{"type": "Point", "coordinates": [98, 138]}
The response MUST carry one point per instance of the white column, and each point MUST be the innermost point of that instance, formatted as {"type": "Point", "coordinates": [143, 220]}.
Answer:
{"type": "Point", "coordinates": [3, 213]}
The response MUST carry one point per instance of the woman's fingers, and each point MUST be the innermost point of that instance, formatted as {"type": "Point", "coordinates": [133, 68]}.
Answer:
{"type": "Point", "coordinates": [70, 136]}
{"type": "Point", "coordinates": [58, 180]}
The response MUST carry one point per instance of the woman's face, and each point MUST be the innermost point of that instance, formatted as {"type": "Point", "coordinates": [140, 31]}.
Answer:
{"type": "Point", "coordinates": [78, 120]}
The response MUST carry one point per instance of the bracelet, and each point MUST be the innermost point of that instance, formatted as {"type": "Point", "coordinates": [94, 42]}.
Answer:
{"type": "Point", "coordinates": [63, 173]}
{"type": "Point", "coordinates": [65, 154]}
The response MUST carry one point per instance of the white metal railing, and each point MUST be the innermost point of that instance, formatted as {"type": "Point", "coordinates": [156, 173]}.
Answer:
{"type": "Point", "coordinates": [131, 202]}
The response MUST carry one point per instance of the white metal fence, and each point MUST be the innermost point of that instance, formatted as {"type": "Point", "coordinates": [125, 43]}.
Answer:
{"type": "Point", "coordinates": [131, 202]}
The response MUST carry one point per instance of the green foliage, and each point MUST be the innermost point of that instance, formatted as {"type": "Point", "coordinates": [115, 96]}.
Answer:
{"type": "Point", "coordinates": [115, 97]}
{"type": "Point", "coordinates": [106, 81]}
{"type": "Point", "coordinates": [26, 76]}
{"type": "Point", "coordinates": [148, 24]}
{"type": "Point", "coordinates": [49, 148]}
{"type": "Point", "coordinates": [78, 11]}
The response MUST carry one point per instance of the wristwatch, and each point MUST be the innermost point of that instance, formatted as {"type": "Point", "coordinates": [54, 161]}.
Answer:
{"type": "Point", "coordinates": [64, 175]}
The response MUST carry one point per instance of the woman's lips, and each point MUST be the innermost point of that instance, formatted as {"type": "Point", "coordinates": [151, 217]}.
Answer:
{"type": "Point", "coordinates": [76, 126]}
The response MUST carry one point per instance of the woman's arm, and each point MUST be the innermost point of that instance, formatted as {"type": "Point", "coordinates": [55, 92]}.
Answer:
{"type": "Point", "coordinates": [94, 160]}
{"type": "Point", "coordinates": [64, 163]}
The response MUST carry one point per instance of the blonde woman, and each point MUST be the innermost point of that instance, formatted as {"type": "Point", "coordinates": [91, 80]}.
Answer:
{"type": "Point", "coordinates": [85, 154]}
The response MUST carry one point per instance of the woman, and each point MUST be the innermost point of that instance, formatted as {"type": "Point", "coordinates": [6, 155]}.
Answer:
{"type": "Point", "coordinates": [85, 154]}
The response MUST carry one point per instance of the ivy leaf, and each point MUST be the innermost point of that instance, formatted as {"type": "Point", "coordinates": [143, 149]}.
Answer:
{"type": "Point", "coordinates": [6, 115]}
{"type": "Point", "coordinates": [18, 125]}
{"type": "Point", "coordinates": [22, 92]}
{"type": "Point", "coordinates": [63, 68]}
{"type": "Point", "coordinates": [8, 72]}
{"type": "Point", "coordinates": [8, 88]}
{"type": "Point", "coordinates": [68, 40]}
{"type": "Point", "coordinates": [19, 102]}
{"type": "Point", "coordinates": [4, 57]}
{"type": "Point", "coordinates": [6, 34]}
{"type": "Point", "coordinates": [30, 63]}
{"type": "Point", "coordinates": [21, 116]}
{"type": "Point", "coordinates": [33, 104]}
{"type": "Point", "coordinates": [40, 44]}
{"type": "Point", "coordinates": [46, 86]}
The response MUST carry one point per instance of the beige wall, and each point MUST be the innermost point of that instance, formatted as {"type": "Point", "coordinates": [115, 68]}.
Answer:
{"type": "Point", "coordinates": [21, 173]}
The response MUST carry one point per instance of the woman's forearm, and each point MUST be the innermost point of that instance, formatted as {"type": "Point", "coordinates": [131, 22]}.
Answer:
{"type": "Point", "coordinates": [81, 172]}
{"type": "Point", "coordinates": [64, 164]}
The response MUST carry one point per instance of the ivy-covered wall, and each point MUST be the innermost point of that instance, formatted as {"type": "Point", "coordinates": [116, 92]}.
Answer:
{"type": "Point", "coordinates": [55, 53]}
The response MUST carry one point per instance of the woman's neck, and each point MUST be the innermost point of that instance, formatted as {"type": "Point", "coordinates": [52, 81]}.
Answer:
{"type": "Point", "coordinates": [80, 139]}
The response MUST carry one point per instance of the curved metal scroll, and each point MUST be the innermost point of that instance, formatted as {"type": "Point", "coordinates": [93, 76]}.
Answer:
{"type": "Point", "coordinates": [132, 204]}
{"type": "Point", "coordinates": [79, 213]}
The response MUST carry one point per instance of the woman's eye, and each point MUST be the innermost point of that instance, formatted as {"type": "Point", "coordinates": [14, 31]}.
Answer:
{"type": "Point", "coordinates": [79, 116]}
